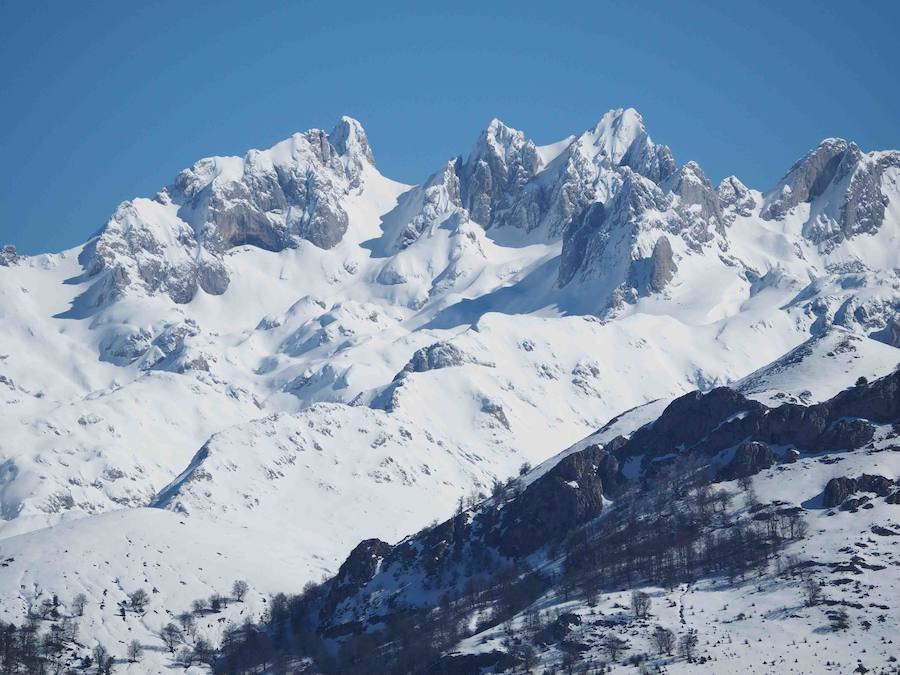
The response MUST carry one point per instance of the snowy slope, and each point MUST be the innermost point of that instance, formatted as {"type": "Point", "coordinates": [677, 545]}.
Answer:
{"type": "Point", "coordinates": [461, 573]}
{"type": "Point", "coordinates": [290, 329]}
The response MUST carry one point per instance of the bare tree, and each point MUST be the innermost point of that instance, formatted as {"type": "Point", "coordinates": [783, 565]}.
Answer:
{"type": "Point", "coordinates": [100, 657]}
{"type": "Point", "coordinates": [188, 625]}
{"type": "Point", "coordinates": [171, 636]}
{"type": "Point", "coordinates": [687, 644]}
{"type": "Point", "coordinates": [614, 646]}
{"type": "Point", "coordinates": [812, 589]}
{"type": "Point", "coordinates": [239, 590]}
{"type": "Point", "coordinates": [664, 640]}
{"type": "Point", "coordinates": [135, 651]}
{"type": "Point", "coordinates": [138, 599]}
{"type": "Point", "coordinates": [78, 604]}
{"type": "Point", "coordinates": [640, 604]}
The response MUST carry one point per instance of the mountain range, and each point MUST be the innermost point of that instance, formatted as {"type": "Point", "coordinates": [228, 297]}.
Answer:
{"type": "Point", "coordinates": [283, 354]}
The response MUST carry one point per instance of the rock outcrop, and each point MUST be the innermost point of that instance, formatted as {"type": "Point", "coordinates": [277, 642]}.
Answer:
{"type": "Point", "coordinates": [846, 185]}
{"type": "Point", "coordinates": [837, 490]}
{"type": "Point", "coordinates": [568, 495]}
{"type": "Point", "coordinates": [749, 459]}
{"type": "Point", "coordinates": [735, 198]}
{"type": "Point", "coordinates": [8, 255]}
{"type": "Point", "coordinates": [271, 199]}
{"type": "Point", "coordinates": [698, 202]}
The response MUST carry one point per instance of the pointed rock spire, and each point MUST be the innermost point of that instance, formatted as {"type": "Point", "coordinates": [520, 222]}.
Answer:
{"type": "Point", "coordinates": [349, 138]}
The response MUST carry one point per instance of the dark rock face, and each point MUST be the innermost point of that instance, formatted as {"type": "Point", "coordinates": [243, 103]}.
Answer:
{"type": "Point", "coordinates": [710, 422]}
{"type": "Point", "coordinates": [357, 570]}
{"type": "Point", "coordinates": [791, 456]}
{"type": "Point", "coordinates": [846, 434]}
{"type": "Point", "coordinates": [466, 664]}
{"type": "Point", "coordinates": [687, 420]}
{"type": "Point", "coordinates": [837, 490]}
{"type": "Point", "coordinates": [363, 561]}
{"type": "Point", "coordinates": [749, 460]}
{"type": "Point", "coordinates": [559, 629]}
{"type": "Point", "coordinates": [878, 401]}
{"type": "Point", "coordinates": [570, 494]}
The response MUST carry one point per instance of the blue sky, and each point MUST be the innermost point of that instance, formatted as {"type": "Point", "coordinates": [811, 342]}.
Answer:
{"type": "Point", "coordinates": [100, 102]}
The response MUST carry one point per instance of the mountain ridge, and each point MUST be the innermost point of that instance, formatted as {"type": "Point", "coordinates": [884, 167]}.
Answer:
{"type": "Point", "coordinates": [291, 330]}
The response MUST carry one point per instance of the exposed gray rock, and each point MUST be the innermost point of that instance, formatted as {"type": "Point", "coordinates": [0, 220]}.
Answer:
{"type": "Point", "coordinates": [651, 275]}
{"type": "Point", "coordinates": [271, 199]}
{"type": "Point", "coordinates": [604, 234]}
{"type": "Point", "coordinates": [625, 143]}
{"type": "Point", "coordinates": [503, 182]}
{"type": "Point", "coordinates": [749, 459]}
{"type": "Point", "coordinates": [735, 198]}
{"type": "Point", "coordinates": [349, 139]}
{"type": "Point", "coordinates": [849, 183]}
{"type": "Point", "coordinates": [570, 494]}
{"type": "Point", "coordinates": [495, 410]}
{"type": "Point", "coordinates": [124, 344]}
{"type": "Point", "coordinates": [8, 255]}
{"type": "Point", "coordinates": [433, 202]}
{"type": "Point", "coordinates": [837, 490]}
{"type": "Point", "coordinates": [890, 334]}
{"type": "Point", "coordinates": [433, 357]}
{"type": "Point", "coordinates": [502, 161]}
{"type": "Point", "coordinates": [698, 202]}
{"type": "Point", "coordinates": [807, 178]}
{"type": "Point", "coordinates": [846, 434]}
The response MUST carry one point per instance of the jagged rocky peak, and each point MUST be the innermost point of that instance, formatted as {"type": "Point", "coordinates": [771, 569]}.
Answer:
{"type": "Point", "coordinates": [430, 203]}
{"type": "Point", "coordinates": [621, 139]}
{"type": "Point", "coordinates": [603, 239]}
{"type": "Point", "coordinates": [8, 255]}
{"type": "Point", "coordinates": [735, 198]}
{"type": "Point", "coordinates": [844, 186]}
{"type": "Point", "coordinates": [272, 199]}
{"type": "Point", "coordinates": [698, 201]}
{"type": "Point", "coordinates": [500, 164]}
{"type": "Point", "coordinates": [807, 179]}
{"type": "Point", "coordinates": [349, 138]}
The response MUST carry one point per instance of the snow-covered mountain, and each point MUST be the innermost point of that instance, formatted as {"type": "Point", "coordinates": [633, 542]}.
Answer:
{"type": "Point", "coordinates": [736, 522]}
{"type": "Point", "coordinates": [291, 346]}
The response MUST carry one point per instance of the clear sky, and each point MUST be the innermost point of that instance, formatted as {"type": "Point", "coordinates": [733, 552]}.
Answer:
{"type": "Point", "coordinates": [100, 102]}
